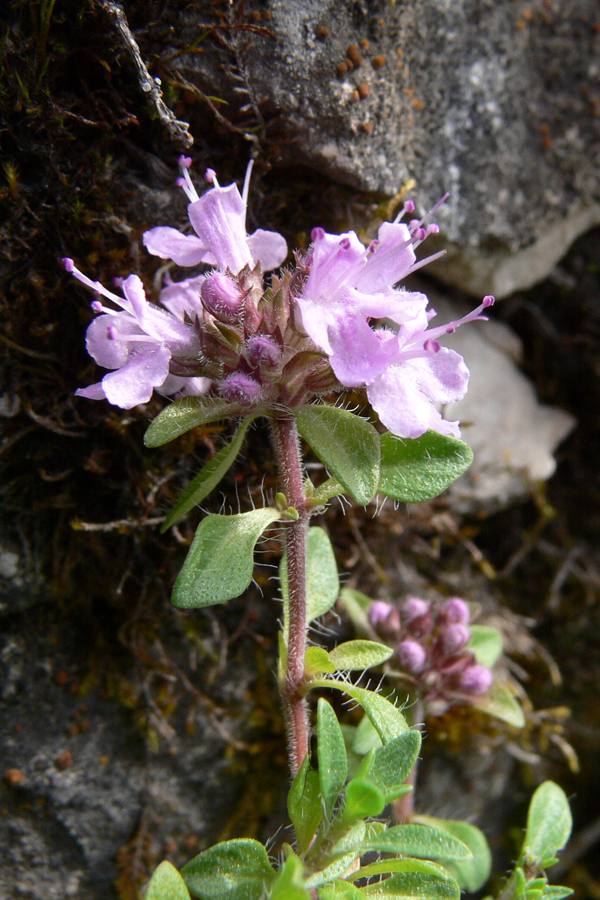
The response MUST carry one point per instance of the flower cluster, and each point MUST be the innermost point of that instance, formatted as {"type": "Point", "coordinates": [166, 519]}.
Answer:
{"type": "Point", "coordinates": [431, 643]}
{"type": "Point", "coordinates": [303, 335]}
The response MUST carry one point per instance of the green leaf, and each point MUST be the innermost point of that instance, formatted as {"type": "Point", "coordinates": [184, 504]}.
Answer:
{"type": "Point", "coordinates": [363, 798]}
{"type": "Point", "coordinates": [366, 737]}
{"type": "Point", "coordinates": [421, 841]}
{"type": "Point", "coordinates": [387, 719]}
{"type": "Point", "coordinates": [209, 476]}
{"type": "Point", "coordinates": [357, 606]}
{"type": "Point", "coordinates": [486, 644]}
{"type": "Point", "coordinates": [500, 703]}
{"type": "Point", "coordinates": [556, 892]}
{"type": "Point", "coordinates": [322, 580]}
{"type": "Point", "coordinates": [289, 884]}
{"type": "Point", "coordinates": [233, 870]}
{"type": "Point", "coordinates": [359, 655]}
{"type": "Point", "coordinates": [333, 764]}
{"type": "Point", "coordinates": [549, 824]}
{"type": "Point", "coordinates": [340, 890]}
{"type": "Point", "coordinates": [326, 491]}
{"type": "Point", "coordinates": [351, 842]}
{"type": "Point", "coordinates": [317, 662]}
{"type": "Point", "coordinates": [385, 866]}
{"type": "Point", "coordinates": [304, 804]}
{"type": "Point", "coordinates": [166, 884]}
{"type": "Point", "coordinates": [185, 414]}
{"type": "Point", "coordinates": [348, 445]}
{"type": "Point", "coordinates": [220, 562]}
{"type": "Point", "coordinates": [473, 873]}
{"type": "Point", "coordinates": [393, 763]}
{"type": "Point", "coordinates": [421, 468]}
{"type": "Point", "coordinates": [414, 886]}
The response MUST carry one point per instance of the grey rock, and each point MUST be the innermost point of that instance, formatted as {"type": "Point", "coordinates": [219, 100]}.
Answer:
{"type": "Point", "coordinates": [68, 817]}
{"type": "Point", "coordinates": [512, 435]}
{"type": "Point", "coordinates": [495, 103]}
{"type": "Point", "coordinates": [21, 584]}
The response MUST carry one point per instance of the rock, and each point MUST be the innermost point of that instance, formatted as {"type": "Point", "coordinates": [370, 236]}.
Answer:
{"type": "Point", "coordinates": [494, 102]}
{"type": "Point", "coordinates": [92, 800]}
{"type": "Point", "coordinates": [512, 435]}
{"type": "Point", "coordinates": [21, 584]}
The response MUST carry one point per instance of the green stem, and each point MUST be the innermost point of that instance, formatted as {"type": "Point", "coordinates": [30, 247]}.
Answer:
{"type": "Point", "coordinates": [291, 473]}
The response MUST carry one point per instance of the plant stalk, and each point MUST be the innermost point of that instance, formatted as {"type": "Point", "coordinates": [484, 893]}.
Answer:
{"type": "Point", "coordinates": [291, 473]}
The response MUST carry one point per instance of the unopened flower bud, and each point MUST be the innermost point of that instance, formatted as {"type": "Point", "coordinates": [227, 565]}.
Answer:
{"type": "Point", "coordinates": [379, 611]}
{"type": "Point", "coordinates": [262, 350]}
{"type": "Point", "coordinates": [240, 388]}
{"type": "Point", "coordinates": [456, 610]}
{"type": "Point", "coordinates": [476, 680]}
{"type": "Point", "coordinates": [413, 608]}
{"type": "Point", "coordinates": [411, 656]}
{"type": "Point", "coordinates": [384, 616]}
{"type": "Point", "coordinates": [222, 298]}
{"type": "Point", "coordinates": [454, 638]}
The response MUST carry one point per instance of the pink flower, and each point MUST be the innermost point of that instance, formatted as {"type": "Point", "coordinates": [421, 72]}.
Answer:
{"type": "Point", "coordinates": [219, 219]}
{"type": "Point", "coordinates": [420, 375]}
{"type": "Point", "coordinates": [407, 372]}
{"type": "Point", "coordinates": [138, 343]}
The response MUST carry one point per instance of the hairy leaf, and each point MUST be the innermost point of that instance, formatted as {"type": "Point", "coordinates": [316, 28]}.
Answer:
{"type": "Point", "coordinates": [209, 476]}
{"type": "Point", "coordinates": [486, 644]}
{"type": "Point", "coordinates": [549, 823]}
{"type": "Point", "coordinates": [304, 804]}
{"type": "Point", "coordinates": [166, 884]}
{"type": "Point", "coordinates": [348, 445]}
{"type": "Point", "coordinates": [393, 763]}
{"type": "Point", "coordinates": [500, 703]}
{"type": "Point", "coordinates": [421, 841]}
{"type": "Point", "coordinates": [289, 884]}
{"type": "Point", "coordinates": [472, 873]}
{"type": "Point", "coordinates": [413, 470]}
{"type": "Point", "coordinates": [220, 561]}
{"type": "Point", "coordinates": [358, 655]}
{"type": "Point", "coordinates": [185, 414]}
{"type": "Point", "coordinates": [233, 870]}
{"type": "Point", "coordinates": [333, 764]}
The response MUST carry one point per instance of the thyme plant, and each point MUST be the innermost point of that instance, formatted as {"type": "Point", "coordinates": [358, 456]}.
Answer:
{"type": "Point", "coordinates": [229, 344]}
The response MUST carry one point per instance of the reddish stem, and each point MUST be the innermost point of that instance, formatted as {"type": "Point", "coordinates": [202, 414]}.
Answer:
{"type": "Point", "coordinates": [287, 450]}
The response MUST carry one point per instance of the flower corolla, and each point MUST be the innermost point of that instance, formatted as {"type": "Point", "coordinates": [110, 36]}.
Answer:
{"type": "Point", "coordinates": [219, 219]}
{"type": "Point", "coordinates": [138, 343]}
{"type": "Point", "coordinates": [406, 372]}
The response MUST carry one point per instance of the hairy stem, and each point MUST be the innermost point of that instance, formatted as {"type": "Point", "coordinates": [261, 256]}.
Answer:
{"type": "Point", "coordinates": [287, 450]}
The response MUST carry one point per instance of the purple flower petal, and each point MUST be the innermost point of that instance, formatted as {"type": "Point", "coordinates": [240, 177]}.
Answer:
{"type": "Point", "coordinates": [92, 392]}
{"type": "Point", "coordinates": [158, 324]}
{"type": "Point", "coordinates": [401, 407]}
{"type": "Point", "coordinates": [134, 382]}
{"type": "Point", "coordinates": [183, 297]}
{"type": "Point", "coordinates": [100, 339]}
{"type": "Point", "coordinates": [168, 243]}
{"type": "Point", "coordinates": [390, 261]}
{"type": "Point", "coordinates": [443, 376]}
{"type": "Point", "coordinates": [219, 220]}
{"type": "Point", "coordinates": [268, 248]}
{"type": "Point", "coordinates": [358, 354]}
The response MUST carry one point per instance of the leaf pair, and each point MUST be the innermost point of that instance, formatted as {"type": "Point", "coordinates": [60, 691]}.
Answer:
{"type": "Point", "coordinates": [364, 463]}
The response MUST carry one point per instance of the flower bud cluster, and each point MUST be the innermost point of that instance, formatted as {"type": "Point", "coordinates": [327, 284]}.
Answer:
{"type": "Point", "coordinates": [252, 346]}
{"type": "Point", "coordinates": [431, 642]}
